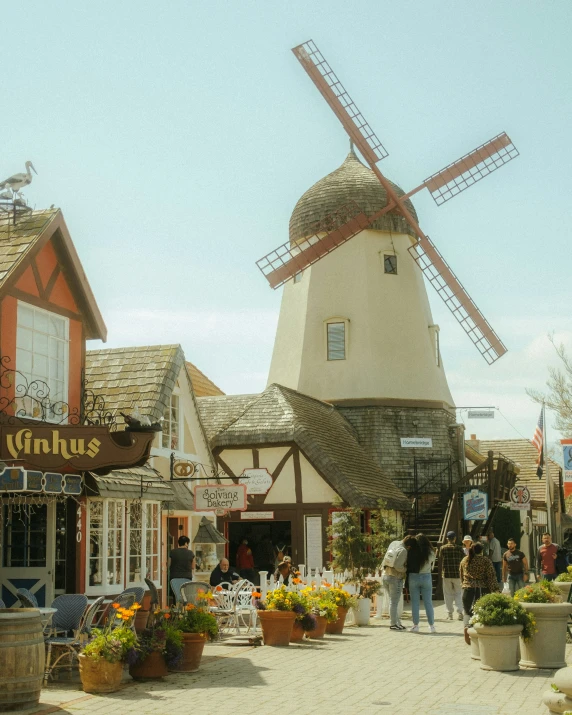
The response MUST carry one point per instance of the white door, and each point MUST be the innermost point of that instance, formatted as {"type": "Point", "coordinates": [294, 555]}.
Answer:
{"type": "Point", "coordinates": [28, 551]}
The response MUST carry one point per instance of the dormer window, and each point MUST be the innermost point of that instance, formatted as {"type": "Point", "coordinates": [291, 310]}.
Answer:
{"type": "Point", "coordinates": [336, 339]}
{"type": "Point", "coordinates": [171, 425]}
{"type": "Point", "coordinates": [42, 353]}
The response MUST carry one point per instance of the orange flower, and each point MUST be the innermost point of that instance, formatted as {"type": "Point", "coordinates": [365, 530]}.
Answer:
{"type": "Point", "coordinates": [201, 591]}
{"type": "Point", "coordinates": [296, 580]}
{"type": "Point", "coordinates": [124, 618]}
{"type": "Point", "coordinates": [218, 588]}
{"type": "Point", "coordinates": [297, 573]}
{"type": "Point", "coordinates": [116, 605]}
{"type": "Point", "coordinates": [128, 613]}
{"type": "Point", "coordinates": [167, 615]}
{"type": "Point", "coordinates": [135, 606]}
{"type": "Point", "coordinates": [256, 594]}
{"type": "Point", "coordinates": [189, 607]}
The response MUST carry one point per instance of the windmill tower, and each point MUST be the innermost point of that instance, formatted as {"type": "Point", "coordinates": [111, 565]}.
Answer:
{"type": "Point", "coordinates": [358, 326]}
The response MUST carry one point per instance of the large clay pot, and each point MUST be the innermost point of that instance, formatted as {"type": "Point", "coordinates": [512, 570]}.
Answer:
{"type": "Point", "coordinates": [547, 647]}
{"type": "Point", "coordinates": [22, 656]}
{"type": "Point", "coordinates": [475, 651]}
{"type": "Point", "coordinates": [193, 644]}
{"type": "Point", "coordinates": [498, 646]}
{"type": "Point", "coordinates": [362, 611]}
{"type": "Point", "coordinates": [320, 629]}
{"type": "Point", "coordinates": [100, 676]}
{"type": "Point", "coordinates": [564, 588]}
{"type": "Point", "coordinates": [297, 633]}
{"type": "Point", "coordinates": [338, 625]}
{"type": "Point", "coordinates": [276, 626]}
{"type": "Point", "coordinates": [152, 667]}
{"type": "Point", "coordinates": [141, 618]}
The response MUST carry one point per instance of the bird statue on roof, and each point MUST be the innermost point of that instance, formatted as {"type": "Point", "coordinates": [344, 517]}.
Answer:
{"type": "Point", "coordinates": [139, 422]}
{"type": "Point", "coordinates": [16, 182]}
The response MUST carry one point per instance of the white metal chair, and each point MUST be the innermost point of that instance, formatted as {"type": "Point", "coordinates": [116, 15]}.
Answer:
{"type": "Point", "coordinates": [245, 607]}
{"type": "Point", "coordinates": [226, 612]}
{"type": "Point", "coordinates": [190, 591]}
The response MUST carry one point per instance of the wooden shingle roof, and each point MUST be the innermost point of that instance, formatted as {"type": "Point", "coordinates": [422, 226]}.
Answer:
{"type": "Point", "coordinates": [202, 386]}
{"type": "Point", "coordinates": [139, 377]}
{"type": "Point", "coordinates": [524, 454]}
{"type": "Point", "coordinates": [281, 414]}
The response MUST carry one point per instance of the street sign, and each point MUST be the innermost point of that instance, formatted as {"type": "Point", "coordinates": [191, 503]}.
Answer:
{"type": "Point", "coordinates": [416, 442]}
{"type": "Point", "coordinates": [520, 497]}
{"type": "Point", "coordinates": [475, 505]}
{"type": "Point", "coordinates": [480, 414]}
{"type": "Point", "coordinates": [212, 497]}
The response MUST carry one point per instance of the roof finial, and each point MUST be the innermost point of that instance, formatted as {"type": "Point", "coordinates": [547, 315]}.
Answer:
{"type": "Point", "coordinates": [352, 147]}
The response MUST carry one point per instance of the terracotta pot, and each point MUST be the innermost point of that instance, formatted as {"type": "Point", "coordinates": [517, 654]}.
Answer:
{"type": "Point", "coordinates": [320, 629]}
{"type": "Point", "coordinates": [153, 666]}
{"type": "Point", "coordinates": [276, 626]}
{"type": "Point", "coordinates": [193, 644]}
{"type": "Point", "coordinates": [297, 633]}
{"type": "Point", "coordinates": [141, 618]}
{"type": "Point", "coordinates": [338, 626]}
{"type": "Point", "coordinates": [498, 646]}
{"type": "Point", "coordinates": [547, 647]}
{"type": "Point", "coordinates": [99, 676]}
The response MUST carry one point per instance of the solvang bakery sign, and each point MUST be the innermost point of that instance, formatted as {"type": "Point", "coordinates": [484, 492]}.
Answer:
{"type": "Point", "coordinates": [212, 497]}
{"type": "Point", "coordinates": [81, 447]}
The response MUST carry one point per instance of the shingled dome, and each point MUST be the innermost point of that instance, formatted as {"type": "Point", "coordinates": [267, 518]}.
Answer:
{"type": "Point", "coordinates": [351, 182]}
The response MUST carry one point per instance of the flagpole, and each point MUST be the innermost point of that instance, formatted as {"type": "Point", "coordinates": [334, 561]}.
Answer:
{"type": "Point", "coordinates": [548, 496]}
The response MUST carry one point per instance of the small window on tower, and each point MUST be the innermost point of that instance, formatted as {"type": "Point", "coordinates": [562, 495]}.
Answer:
{"type": "Point", "coordinates": [298, 277]}
{"type": "Point", "coordinates": [390, 264]}
{"type": "Point", "coordinates": [336, 341]}
{"type": "Point", "coordinates": [437, 353]}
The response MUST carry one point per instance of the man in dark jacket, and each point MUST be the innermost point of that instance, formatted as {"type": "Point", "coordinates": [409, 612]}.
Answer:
{"type": "Point", "coordinates": [223, 572]}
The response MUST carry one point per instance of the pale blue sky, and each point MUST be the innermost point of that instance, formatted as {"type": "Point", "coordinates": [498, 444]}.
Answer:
{"type": "Point", "coordinates": [177, 137]}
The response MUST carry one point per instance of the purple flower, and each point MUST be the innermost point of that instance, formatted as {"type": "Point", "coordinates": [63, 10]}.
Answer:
{"type": "Point", "coordinates": [309, 622]}
{"type": "Point", "coordinates": [259, 605]}
{"type": "Point", "coordinates": [299, 609]}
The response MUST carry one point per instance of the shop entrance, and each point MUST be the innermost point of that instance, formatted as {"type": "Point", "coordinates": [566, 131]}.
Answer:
{"type": "Point", "coordinates": [266, 539]}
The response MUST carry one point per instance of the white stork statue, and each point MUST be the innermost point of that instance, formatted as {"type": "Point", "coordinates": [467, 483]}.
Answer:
{"type": "Point", "coordinates": [17, 182]}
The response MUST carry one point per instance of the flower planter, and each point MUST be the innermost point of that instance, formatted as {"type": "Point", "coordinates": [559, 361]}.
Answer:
{"type": "Point", "coordinates": [564, 588]}
{"type": "Point", "coordinates": [338, 626]}
{"type": "Point", "coordinates": [547, 647]}
{"type": "Point", "coordinates": [475, 651]}
{"type": "Point", "coordinates": [297, 633]}
{"type": "Point", "coordinates": [362, 611]}
{"type": "Point", "coordinates": [100, 676]}
{"type": "Point", "coordinates": [276, 626]}
{"type": "Point", "coordinates": [320, 630]}
{"type": "Point", "coordinates": [141, 618]}
{"type": "Point", "coordinates": [193, 644]}
{"type": "Point", "coordinates": [560, 702]}
{"type": "Point", "coordinates": [152, 667]}
{"type": "Point", "coordinates": [498, 646]}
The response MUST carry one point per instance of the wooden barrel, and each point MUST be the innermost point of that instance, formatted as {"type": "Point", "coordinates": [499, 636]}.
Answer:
{"type": "Point", "coordinates": [22, 656]}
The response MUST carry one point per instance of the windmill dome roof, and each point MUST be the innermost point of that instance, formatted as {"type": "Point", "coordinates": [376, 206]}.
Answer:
{"type": "Point", "coordinates": [352, 181]}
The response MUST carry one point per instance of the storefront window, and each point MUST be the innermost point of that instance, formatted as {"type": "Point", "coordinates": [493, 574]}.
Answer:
{"type": "Point", "coordinates": [135, 541]}
{"type": "Point", "coordinates": [95, 543]}
{"type": "Point", "coordinates": [143, 542]}
{"type": "Point", "coordinates": [106, 526]}
{"type": "Point", "coordinates": [152, 541]}
{"type": "Point", "coordinates": [115, 542]}
{"type": "Point", "coordinates": [25, 531]}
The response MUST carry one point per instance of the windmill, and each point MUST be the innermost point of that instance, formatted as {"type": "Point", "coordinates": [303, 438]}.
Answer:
{"type": "Point", "coordinates": [290, 259]}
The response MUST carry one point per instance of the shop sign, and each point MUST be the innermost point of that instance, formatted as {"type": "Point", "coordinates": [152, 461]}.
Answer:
{"type": "Point", "coordinates": [257, 515]}
{"type": "Point", "coordinates": [416, 442]}
{"type": "Point", "coordinates": [567, 458]}
{"type": "Point", "coordinates": [257, 481]}
{"type": "Point", "coordinates": [475, 505]}
{"type": "Point", "coordinates": [16, 479]}
{"type": "Point", "coordinates": [520, 497]}
{"type": "Point", "coordinates": [212, 497]}
{"type": "Point", "coordinates": [81, 447]}
{"type": "Point", "coordinates": [481, 414]}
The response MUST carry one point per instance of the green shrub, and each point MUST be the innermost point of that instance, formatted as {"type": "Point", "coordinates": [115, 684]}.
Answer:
{"type": "Point", "coordinates": [541, 592]}
{"type": "Point", "coordinates": [496, 609]}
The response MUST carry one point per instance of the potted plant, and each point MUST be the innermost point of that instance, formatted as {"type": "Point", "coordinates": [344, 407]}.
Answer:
{"type": "Point", "coordinates": [197, 625]}
{"type": "Point", "coordinates": [368, 588]}
{"type": "Point", "coordinates": [563, 582]}
{"type": "Point", "coordinates": [278, 613]}
{"type": "Point", "coordinates": [324, 609]}
{"type": "Point", "coordinates": [559, 698]}
{"type": "Point", "coordinates": [102, 659]}
{"type": "Point", "coordinates": [344, 601]}
{"type": "Point", "coordinates": [547, 649]}
{"type": "Point", "coordinates": [499, 620]}
{"type": "Point", "coordinates": [159, 647]}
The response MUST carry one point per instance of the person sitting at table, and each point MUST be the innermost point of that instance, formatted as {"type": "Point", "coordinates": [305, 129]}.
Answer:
{"type": "Point", "coordinates": [223, 572]}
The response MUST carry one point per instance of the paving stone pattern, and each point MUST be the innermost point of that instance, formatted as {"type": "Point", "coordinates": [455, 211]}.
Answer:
{"type": "Point", "coordinates": [365, 670]}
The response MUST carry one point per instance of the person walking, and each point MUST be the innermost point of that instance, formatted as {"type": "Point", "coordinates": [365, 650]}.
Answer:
{"type": "Point", "coordinates": [451, 555]}
{"type": "Point", "coordinates": [546, 559]}
{"type": "Point", "coordinates": [394, 570]}
{"type": "Point", "coordinates": [515, 565]}
{"type": "Point", "coordinates": [478, 578]}
{"type": "Point", "coordinates": [467, 543]}
{"type": "Point", "coordinates": [421, 582]}
{"type": "Point", "coordinates": [495, 553]}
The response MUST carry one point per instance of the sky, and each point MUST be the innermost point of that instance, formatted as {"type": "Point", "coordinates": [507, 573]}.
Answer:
{"type": "Point", "coordinates": [177, 138]}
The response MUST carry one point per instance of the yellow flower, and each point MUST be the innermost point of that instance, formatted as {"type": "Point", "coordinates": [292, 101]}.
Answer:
{"type": "Point", "coordinates": [135, 606]}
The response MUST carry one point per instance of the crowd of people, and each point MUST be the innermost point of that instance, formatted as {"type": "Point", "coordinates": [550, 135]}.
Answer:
{"type": "Point", "coordinates": [467, 573]}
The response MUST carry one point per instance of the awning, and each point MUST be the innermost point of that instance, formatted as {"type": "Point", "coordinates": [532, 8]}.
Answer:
{"type": "Point", "coordinates": [133, 483]}
{"type": "Point", "coordinates": [183, 497]}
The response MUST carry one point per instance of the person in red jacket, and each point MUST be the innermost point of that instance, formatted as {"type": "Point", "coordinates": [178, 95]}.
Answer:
{"type": "Point", "coordinates": [546, 558]}
{"type": "Point", "coordinates": [245, 561]}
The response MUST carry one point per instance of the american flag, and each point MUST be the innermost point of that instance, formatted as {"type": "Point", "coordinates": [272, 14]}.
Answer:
{"type": "Point", "coordinates": [538, 442]}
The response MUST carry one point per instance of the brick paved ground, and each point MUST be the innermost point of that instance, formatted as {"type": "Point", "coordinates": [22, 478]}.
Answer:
{"type": "Point", "coordinates": [365, 670]}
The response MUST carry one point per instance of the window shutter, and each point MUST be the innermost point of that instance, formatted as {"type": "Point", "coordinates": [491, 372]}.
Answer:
{"type": "Point", "coordinates": [336, 341]}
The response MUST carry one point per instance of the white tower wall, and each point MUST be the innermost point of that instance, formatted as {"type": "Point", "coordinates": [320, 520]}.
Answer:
{"type": "Point", "coordinates": [390, 336]}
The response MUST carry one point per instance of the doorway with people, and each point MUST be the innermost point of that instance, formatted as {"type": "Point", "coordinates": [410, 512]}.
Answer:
{"type": "Point", "coordinates": [267, 541]}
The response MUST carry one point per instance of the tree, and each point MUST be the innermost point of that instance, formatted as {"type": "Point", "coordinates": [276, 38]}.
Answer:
{"type": "Point", "coordinates": [559, 395]}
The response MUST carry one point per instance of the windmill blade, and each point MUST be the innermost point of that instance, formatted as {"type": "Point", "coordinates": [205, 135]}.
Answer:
{"type": "Point", "coordinates": [472, 167]}
{"type": "Point", "coordinates": [290, 258]}
{"type": "Point", "coordinates": [340, 101]}
{"type": "Point", "coordinates": [457, 299]}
